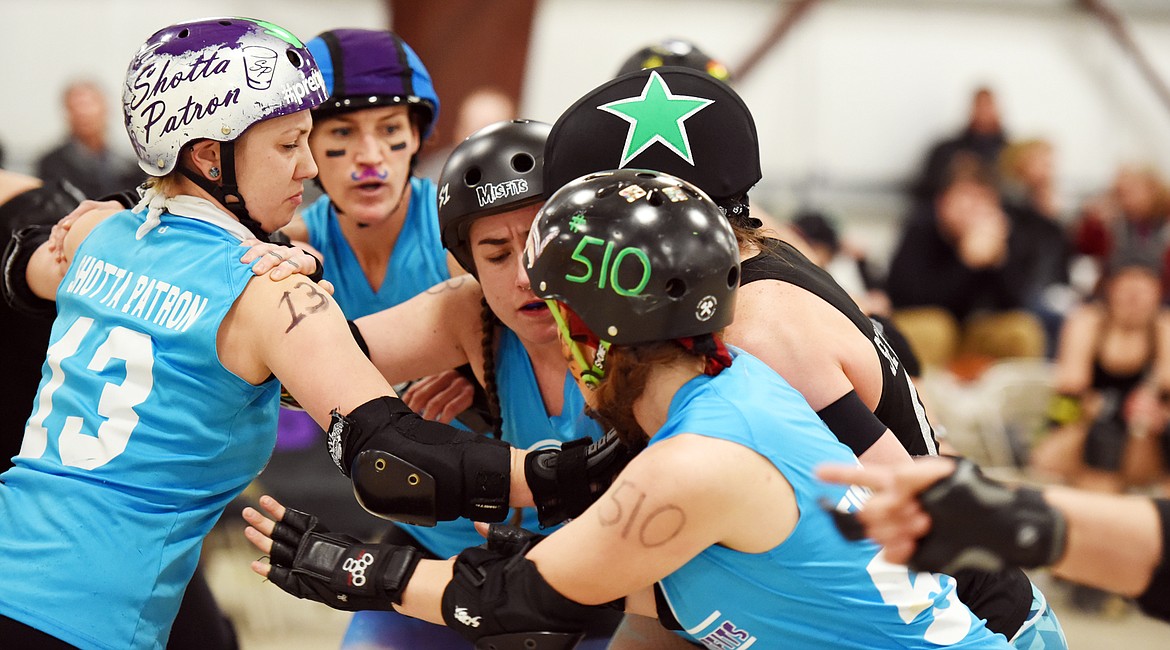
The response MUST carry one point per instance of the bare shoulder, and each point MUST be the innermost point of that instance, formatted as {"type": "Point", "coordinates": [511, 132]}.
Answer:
{"type": "Point", "coordinates": [689, 465]}
{"type": "Point", "coordinates": [776, 320]}
{"type": "Point", "coordinates": [284, 305]}
{"type": "Point", "coordinates": [85, 224]}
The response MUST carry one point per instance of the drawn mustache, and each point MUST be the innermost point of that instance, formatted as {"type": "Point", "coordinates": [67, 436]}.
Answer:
{"type": "Point", "coordinates": [369, 173]}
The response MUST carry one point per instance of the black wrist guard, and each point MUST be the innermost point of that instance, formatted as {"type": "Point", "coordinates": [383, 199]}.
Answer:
{"type": "Point", "coordinates": [493, 594]}
{"type": "Point", "coordinates": [566, 481]}
{"type": "Point", "coordinates": [17, 254]}
{"type": "Point", "coordinates": [984, 525]}
{"type": "Point", "coordinates": [338, 570]}
{"type": "Point", "coordinates": [420, 471]}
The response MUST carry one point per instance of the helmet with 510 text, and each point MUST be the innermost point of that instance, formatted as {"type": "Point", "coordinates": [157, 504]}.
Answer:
{"type": "Point", "coordinates": [637, 256]}
{"type": "Point", "coordinates": [213, 79]}
{"type": "Point", "coordinates": [365, 68]}
{"type": "Point", "coordinates": [496, 169]}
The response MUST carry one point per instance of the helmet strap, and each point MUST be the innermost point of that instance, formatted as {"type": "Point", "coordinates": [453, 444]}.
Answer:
{"type": "Point", "coordinates": [226, 191]}
{"type": "Point", "coordinates": [591, 374]}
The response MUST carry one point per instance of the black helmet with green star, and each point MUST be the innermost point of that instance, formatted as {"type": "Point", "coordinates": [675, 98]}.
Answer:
{"type": "Point", "coordinates": [669, 119]}
{"type": "Point", "coordinates": [638, 256]}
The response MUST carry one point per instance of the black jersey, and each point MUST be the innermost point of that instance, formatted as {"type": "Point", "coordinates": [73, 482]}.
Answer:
{"type": "Point", "coordinates": [899, 408]}
{"type": "Point", "coordinates": [1002, 598]}
{"type": "Point", "coordinates": [25, 337]}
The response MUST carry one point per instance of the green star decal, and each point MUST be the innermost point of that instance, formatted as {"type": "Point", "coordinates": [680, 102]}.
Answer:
{"type": "Point", "coordinates": [656, 115]}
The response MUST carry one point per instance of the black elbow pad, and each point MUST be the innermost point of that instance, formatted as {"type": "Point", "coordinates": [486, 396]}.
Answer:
{"type": "Point", "coordinates": [468, 475]}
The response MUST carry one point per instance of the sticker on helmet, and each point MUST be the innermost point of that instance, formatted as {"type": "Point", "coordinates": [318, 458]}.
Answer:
{"type": "Point", "coordinates": [489, 193]}
{"type": "Point", "coordinates": [657, 115]}
{"type": "Point", "coordinates": [706, 308]}
{"type": "Point", "coordinates": [259, 66]}
{"type": "Point", "coordinates": [632, 193]}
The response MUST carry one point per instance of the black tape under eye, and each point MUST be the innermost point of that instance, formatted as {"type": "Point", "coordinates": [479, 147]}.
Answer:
{"type": "Point", "coordinates": [334, 153]}
{"type": "Point", "coordinates": [398, 146]}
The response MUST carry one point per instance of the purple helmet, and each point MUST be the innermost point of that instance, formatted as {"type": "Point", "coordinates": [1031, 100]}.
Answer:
{"type": "Point", "coordinates": [213, 78]}
{"type": "Point", "coordinates": [364, 68]}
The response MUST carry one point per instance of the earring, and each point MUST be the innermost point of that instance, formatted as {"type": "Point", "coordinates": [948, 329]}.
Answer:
{"type": "Point", "coordinates": [213, 173]}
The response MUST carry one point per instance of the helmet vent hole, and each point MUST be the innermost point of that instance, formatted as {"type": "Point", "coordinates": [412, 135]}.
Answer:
{"type": "Point", "coordinates": [675, 288]}
{"type": "Point", "coordinates": [523, 163]}
{"type": "Point", "coordinates": [654, 198]}
{"type": "Point", "coordinates": [647, 175]}
{"type": "Point", "coordinates": [607, 190]}
{"type": "Point", "coordinates": [184, 33]}
{"type": "Point", "coordinates": [225, 23]}
{"type": "Point", "coordinates": [733, 277]}
{"type": "Point", "coordinates": [294, 58]}
{"type": "Point", "coordinates": [472, 177]}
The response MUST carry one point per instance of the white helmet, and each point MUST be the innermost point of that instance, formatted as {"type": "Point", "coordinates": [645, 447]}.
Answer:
{"type": "Point", "coordinates": [213, 79]}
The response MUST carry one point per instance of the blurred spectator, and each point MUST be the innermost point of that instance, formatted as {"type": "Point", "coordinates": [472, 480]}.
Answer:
{"type": "Point", "coordinates": [983, 136]}
{"type": "Point", "coordinates": [485, 105]}
{"type": "Point", "coordinates": [1128, 221]}
{"type": "Point", "coordinates": [1028, 190]}
{"type": "Point", "coordinates": [1112, 377]}
{"type": "Point", "coordinates": [85, 159]}
{"type": "Point", "coordinates": [846, 263]}
{"type": "Point", "coordinates": [958, 277]}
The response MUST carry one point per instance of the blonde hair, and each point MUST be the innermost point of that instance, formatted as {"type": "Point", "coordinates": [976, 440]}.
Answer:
{"type": "Point", "coordinates": [166, 185]}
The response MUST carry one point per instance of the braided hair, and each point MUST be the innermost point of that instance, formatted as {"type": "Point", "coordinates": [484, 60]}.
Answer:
{"type": "Point", "coordinates": [490, 323]}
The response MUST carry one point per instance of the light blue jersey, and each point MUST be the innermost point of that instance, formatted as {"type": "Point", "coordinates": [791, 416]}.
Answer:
{"type": "Point", "coordinates": [417, 263]}
{"type": "Point", "coordinates": [138, 437]}
{"type": "Point", "coordinates": [526, 425]}
{"type": "Point", "coordinates": [815, 590]}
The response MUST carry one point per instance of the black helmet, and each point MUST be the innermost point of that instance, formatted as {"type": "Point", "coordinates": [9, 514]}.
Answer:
{"type": "Point", "coordinates": [496, 169]}
{"type": "Point", "coordinates": [675, 52]}
{"type": "Point", "coordinates": [637, 255]}
{"type": "Point", "coordinates": [705, 135]}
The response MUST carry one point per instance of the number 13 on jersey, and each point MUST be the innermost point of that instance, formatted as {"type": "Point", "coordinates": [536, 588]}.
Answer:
{"type": "Point", "coordinates": [115, 404]}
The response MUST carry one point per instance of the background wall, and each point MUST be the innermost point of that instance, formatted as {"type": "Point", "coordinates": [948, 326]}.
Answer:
{"type": "Point", "coordinates": [846, 105]}
{"type": "Point", "coordinates": [44, 44]}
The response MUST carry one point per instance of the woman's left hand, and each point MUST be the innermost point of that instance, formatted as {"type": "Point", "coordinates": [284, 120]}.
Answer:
{"type": "Point", "coordinates": [279, 262]}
